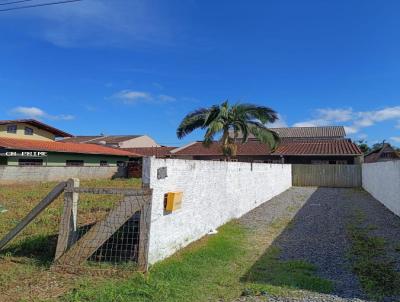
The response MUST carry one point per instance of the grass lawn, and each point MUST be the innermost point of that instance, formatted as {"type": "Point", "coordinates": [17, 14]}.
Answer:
{"type": "Point", "coordinates": [222, 267]}
{"type": "Point", "coordinates": [25, 262]}
{"type": "Point", "coordinates": [236, 261]}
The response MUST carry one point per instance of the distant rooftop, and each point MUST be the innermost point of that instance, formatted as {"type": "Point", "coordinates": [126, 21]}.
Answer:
{"type": "Point", "coordinates": [295, 148]}
{"type": "Point", "coordinates": [308, 132]}
{"type": "Point", "coordinates": [96, 139]}
{"type": "Point", "coordinates": [311, 132]}
{"type": "Point", "coordinates": [40, 125]}
{"type": "Point", "coordinates": [161, 151]}
{"type": "Point", "coordinates": [38, 145]}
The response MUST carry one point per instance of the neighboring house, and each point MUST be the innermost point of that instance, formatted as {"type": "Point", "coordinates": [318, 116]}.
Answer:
{"type": "Point", "coordinates": [385, 153]}
{"type": "Point", "coordinates": [33, 143]}
{"type": "Point", "coordinates": [115, 141]}
{"type": "Point", "coordinates": [160, 152]}
{"type": "Point", "coordinates": [303, 145]}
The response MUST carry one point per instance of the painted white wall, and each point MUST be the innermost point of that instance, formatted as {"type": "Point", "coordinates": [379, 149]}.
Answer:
{"type": "Point", "coordinates": [23, 174]}
{"type": "Point", "coordinates": [382, 180]}
{"type": "Point", "coordinates": [213, 193]}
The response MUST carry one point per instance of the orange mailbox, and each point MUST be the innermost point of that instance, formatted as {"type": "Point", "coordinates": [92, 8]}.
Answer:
{"type": "Point", "coordinates": [173, 201]}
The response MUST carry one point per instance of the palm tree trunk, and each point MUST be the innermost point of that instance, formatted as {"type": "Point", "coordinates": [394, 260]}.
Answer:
{"type": "Point", "coordinates": [225, 143]}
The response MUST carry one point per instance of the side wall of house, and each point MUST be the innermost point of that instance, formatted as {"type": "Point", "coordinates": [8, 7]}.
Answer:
{"type": "Point", "coordinates": [382, 180]}
{"type": "Point", "coordinates": [213, 193]}
{"type": "Point", "coordinates": [38, 134]}
{"type": "Point", "coordinates": [143, 141]}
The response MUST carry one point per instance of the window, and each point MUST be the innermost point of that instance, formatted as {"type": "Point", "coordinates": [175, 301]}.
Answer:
{"type": "Point", "coordinates": [103, 163]}
{"type": "Point", "coordinates": [341, 162]}
{"type": "Point", "coordinates": [74, 163]}
{"type": "Point", "coordinates": [120, 163]}
{"type": "Point", "coordinates": [28, 131]}
{"type": "Point", "coordinates": [3, 161]}
{"type": "Point", "coordinates": [12, 129]}
{"type": "Point", "coordinates": [30, 162]}
{"type": "Point", "coordinates": [388, 155]}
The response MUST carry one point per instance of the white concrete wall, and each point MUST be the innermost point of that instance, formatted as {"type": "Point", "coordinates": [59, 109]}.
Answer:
{"type": "Point", "coordinates": [382, 180]}
{"type": "Point", "coordinates": [213, 193]}
{"type": "Point", "coordinates": [16, 174]}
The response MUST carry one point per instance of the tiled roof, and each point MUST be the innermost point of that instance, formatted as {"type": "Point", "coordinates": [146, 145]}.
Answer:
{"type": "Point", "coordinates": [375, 155]}
{"type": "Point", "coordinates": [95, 139]}
{"type": "Point", "coordinates": [308, 132]}
{"type": "Point", "coordinates": [321, 147]}
{"type": "Point", "coordinates": [311, 132]}
{"type": "Point", "coordinates": [40, 125]}
{"type": "Point", "coordinates": [79, 139]}
{"type": "Point", "coordinates": [161, 151]}
{"type": "Point", "coordinates": [253, 147]}
{"type": "Point", "coordinates": [39, 145]}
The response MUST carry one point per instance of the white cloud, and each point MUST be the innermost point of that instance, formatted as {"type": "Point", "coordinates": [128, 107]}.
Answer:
{"type": "Point", "coordinates": [395, 139]}
{"type": "Point", "coordinates": [32, 112]}
{"type": "Point", "coordinates": [350, 130]}
{"type": "Point", "coordinates": [131, 97]}
{"type": "Point", "coordinates": [128, 96]}
{"type": "Point", "coordinates": [354, 120]}
{"type": "Point", "coordinates": [327, 116]}
{"type": "Point", "coordinates": [166, 98]}
{"type": "Point", "coordinates": [99, 23]}
{"type": "Point", "coordinates": [311, 123]}
{"type": "Point", "coordinates": [37, 113]}
{"type": "Point", "coordinates": [338, 115]}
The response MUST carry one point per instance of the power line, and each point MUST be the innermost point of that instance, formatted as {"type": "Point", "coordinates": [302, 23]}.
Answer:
{"type": "Point", "coordinates": [14, 2]}
{"type": "Point", "coordinates": [38, 5]}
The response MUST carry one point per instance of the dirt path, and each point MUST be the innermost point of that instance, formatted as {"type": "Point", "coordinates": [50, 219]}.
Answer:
{"type": "Point", "coordinates": [317, 233]}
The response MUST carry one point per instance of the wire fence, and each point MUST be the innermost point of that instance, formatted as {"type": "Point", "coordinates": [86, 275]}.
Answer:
{"type": "Point", "coordinates": [111, 229]}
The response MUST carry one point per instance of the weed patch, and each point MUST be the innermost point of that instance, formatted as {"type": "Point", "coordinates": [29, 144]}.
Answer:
{"type": "Point", "coordinates": [374, 268]}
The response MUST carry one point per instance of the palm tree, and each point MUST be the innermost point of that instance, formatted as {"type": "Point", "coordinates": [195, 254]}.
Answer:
{"type": "Point", "coordinates": [230, 120]}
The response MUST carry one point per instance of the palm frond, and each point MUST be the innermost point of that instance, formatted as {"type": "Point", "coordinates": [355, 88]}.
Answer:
{"type": "Point", "coordinates": [261, 113]}
{"type": "Point", "coordinates": [192, 121]}
{"type": "Point", "coordinates": [265, 135]}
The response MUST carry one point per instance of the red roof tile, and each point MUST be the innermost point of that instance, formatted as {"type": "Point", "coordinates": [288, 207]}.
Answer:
{"type": "Point", "coordinates": [151, 151]}
{"type": "Point", "coordinates": [39, 145]}
{"type": "Point", "coordinates": [298, 148]}
{"type": "Point", "coordinates": [323, 147]}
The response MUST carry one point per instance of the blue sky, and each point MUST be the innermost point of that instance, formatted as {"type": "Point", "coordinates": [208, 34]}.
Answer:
{"type": "Point", "coordinates": [129, 67]}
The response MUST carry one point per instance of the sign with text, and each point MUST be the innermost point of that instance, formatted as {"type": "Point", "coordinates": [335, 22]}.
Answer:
{"type": "Point", "coordinates": [23, 153]}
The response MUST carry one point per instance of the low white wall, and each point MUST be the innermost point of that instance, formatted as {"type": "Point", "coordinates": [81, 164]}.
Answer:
{"type": "Point", "coordinates": [382, 180]}
{"type": "Point", "coordinates": [213, 193]}
{"type": "Point", "coordinates": [16, 174]}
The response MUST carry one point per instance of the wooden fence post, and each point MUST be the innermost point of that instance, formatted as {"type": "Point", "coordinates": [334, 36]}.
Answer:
{"type": "Point", "coordinates": [68, 224]}
{"type": "Point", "coordinates": [144, 234]}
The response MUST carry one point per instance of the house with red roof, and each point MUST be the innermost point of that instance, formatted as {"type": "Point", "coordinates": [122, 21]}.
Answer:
{"type": "Point", "coordinates": [299, 145]}
{"type": "Point", "coordinates": [28, 142]}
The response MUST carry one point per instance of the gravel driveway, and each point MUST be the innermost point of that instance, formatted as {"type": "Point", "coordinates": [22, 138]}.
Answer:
{"type": "Point", "coordinates": [317, 234]}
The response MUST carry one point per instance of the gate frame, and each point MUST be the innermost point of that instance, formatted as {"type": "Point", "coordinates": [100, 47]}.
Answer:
{"type": "Point", "coordinates": [68, 225]}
